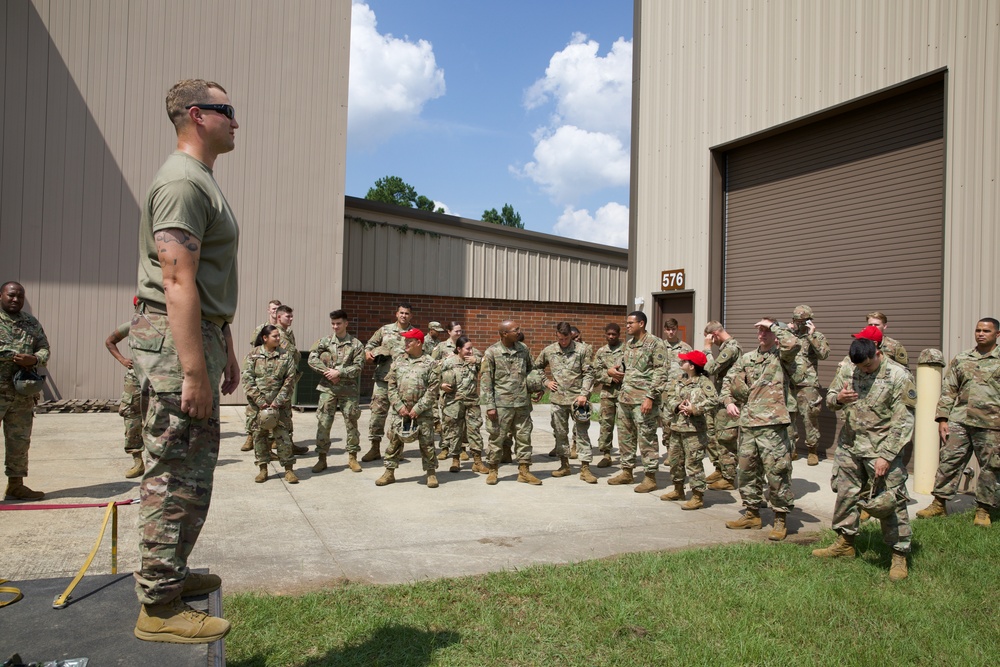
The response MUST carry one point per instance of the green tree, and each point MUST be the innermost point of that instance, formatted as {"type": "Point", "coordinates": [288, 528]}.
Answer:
{"type": "Point", "coordinates": [507, 217]}
{"type": "Point", "coordinates": [394, 190]}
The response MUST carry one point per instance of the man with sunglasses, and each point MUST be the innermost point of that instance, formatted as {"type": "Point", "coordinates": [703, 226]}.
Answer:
{"type": "Point", "coordinates": [182, 348]}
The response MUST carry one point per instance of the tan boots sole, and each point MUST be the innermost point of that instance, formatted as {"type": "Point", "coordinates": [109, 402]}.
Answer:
{"type": "Point", "coordinates": [696, 502]}
{"type": "Point", "coordinates": [456, 464]}
{"type": "Point", "coordinates": [586, 475]}
{"type": "Point", "coordinates": [491, 478]}
{"type": "Point", "coordinates": [749, 521]}
{"type": "Point", "coordinates": [779, 530]}
{"type": "Point", "coordinates": [290, 477]}
{"type": "Point", "coordinates": [477, 464]}
{"type": "Point", "coordinates": [248, 444]}
{"type": "Point", "coordinates": [373, 454]}
{"type": "Point", "coordinates": [898, 570]}
{"type": "Point", "coordinates": [982, 517]}
{"type": "Point", "coordinates": [624, 477]}
{"type": "Point", "coordinates": [261, 475]}
{"type": "Point", "coordinates": [843, 547]}
{"type": "Point", "coordinates": [524, 475]}
{"type": "Point", "coordinates": [677, 493]}
{"type": "Point", "coordinates": [320, 465]}
{"type": "Point", "coordinates": [138, 467]}
{"type": "Point", "coordinates": [387, 478]}
{"type": "Point", "coordinates": [432, 480]}
{"type": "Point", "coordinates": [16, 490]}
{"type": "Point", "coordinates": [937, 508]}
{"type": "Point", "coordinates": [352, 462]}
{"type": "Point", "coordinates": [177, 623]}
{"type": "Point", "coordinates": [563, 470]}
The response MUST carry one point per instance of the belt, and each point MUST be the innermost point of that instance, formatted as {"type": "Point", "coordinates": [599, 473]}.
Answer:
{"type": "Point", "coordinates": [158, 309]}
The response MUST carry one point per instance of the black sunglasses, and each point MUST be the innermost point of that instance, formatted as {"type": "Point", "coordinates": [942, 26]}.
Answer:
{"type": "Point", "coordinates": [226, 110]}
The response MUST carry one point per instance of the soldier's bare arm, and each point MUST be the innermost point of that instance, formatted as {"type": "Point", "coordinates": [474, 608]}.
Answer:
{"type": "Point", "coordinates": [111, 342]}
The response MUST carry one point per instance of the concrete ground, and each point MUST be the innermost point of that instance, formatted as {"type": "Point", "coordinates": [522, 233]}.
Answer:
{"type": "Point", "coordinates": [338, 525]}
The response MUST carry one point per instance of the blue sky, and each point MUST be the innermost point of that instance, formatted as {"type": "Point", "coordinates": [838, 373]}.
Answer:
{"type": "Point", "coordinates": [477, 104]}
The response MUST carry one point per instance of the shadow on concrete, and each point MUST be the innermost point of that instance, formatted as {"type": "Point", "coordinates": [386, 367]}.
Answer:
{"type": "Point", "coordinates": [97, 491]}
{"type": "Point", "coordinates": [803, 487]}
{"type": "Point", "coordinates": [395, 645]}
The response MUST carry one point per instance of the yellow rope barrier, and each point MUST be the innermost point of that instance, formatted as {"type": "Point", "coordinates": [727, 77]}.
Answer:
{"type": "Point", "coordinates": [62, 600]}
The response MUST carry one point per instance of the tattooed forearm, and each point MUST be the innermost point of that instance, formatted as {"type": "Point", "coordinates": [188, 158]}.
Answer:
{"type": "Point", "coordinates": [177, 236]}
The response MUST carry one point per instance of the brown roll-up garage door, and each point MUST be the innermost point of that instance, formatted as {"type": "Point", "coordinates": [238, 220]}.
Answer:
{"type": "Point", "coordinates": [845, 215]}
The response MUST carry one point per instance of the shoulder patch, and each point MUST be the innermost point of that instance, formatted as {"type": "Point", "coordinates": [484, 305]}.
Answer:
{"type": "Point", "coordinates": [910, 395]}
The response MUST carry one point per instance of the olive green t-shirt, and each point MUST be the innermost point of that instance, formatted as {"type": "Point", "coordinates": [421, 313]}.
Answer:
{"type": "Point", "coordinates": [184, 195]}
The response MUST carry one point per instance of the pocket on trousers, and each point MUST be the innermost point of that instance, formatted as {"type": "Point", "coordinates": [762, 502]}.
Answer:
{"type": "Point", "coordinates": [169, 427]}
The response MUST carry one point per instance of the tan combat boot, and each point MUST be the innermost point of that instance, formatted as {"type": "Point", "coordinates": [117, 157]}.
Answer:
{"type": "Point", "coordinates": [464, 455]}
{"type": "Point", "coordinates": [749, 521]}
{"type": "Point", "coordinates": [491, 479]}
{"type": "Point", "coordinates": [138, 467]}
{"type": "Point", "coordinates": [320, 464]}
{"type": "Point", "coordinates": [524, 475]}
{"type": "Point", "coordinates": [563, 469]}
{"type": "Point", "coordinates": [779, 530]}
{"type": "Point", "coordinates": [937, 508]}
{"type": "Point", "coordinates": [624, 477]}
{"type": "Point", "coordinates": [982, 516]}
{"type": "Point", "coordinates": [248, 445]}
{"type": "Point", "coordinates": [586, 475]}
{"type": "Point", "coordinates": [456, 464]}
{"type": "Point", "coordinates": [696, 502]}
{"type": "Point", "coordinates": [388, 477]}
{"type": "Point", "coordinates": [898, 571]}
{"type": "Point", "coordinates": [507, 456]}
{"type": "Point", "coordinates": [432, 480]}
{"type": "Point", "coordinates": [374, 453]}
{"type": "Point", "coordinates": [177, 623]}
{"type": "Point", "coordinates": [722, 484]}
{"type": "Point", "coordinates": [352, 462]}
{"type": "Point", "coordinates": [813, 459]}
{"type": "Point", "coordinates": [605, 461]}
{"type": "Point", "coordinates": [477, 464]}
{"type": "Point", "coordinates": [843, 547]}
{"type": "Point", "coordinates": [714, 476]}
{"type": "Point", "coordinates": [261, 474]}
{"type": "Point", "coordinates": [290, 477]}
{"type": "Point", "coordinates": [647, 484]}
{"type": "Point", "coordinates": [16, 490]}
{"type": "Point", "coordinates": [677, 493]}
{"type": "Point", "coordinates": [443, 454]}
{"type": "Point", "coordinates": [573, 453]}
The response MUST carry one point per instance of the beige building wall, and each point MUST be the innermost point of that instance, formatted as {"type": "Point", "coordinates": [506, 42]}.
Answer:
{"type": "Point", "coordinates": [709, 72]}
{"type": "Point", "coordinates": [83, 130]}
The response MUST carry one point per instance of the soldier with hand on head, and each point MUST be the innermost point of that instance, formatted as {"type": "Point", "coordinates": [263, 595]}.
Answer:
{"type": "Point", "coordinates": [813, 348]}
{"type": "Point", "coordinates": [723, 429]}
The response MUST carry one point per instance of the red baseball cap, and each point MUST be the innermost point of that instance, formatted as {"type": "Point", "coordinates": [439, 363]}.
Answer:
{"type": "Point", "coordinates": [696, 357]}
{"type": "Point", "coordinates": [414, 333]}
{"type": "Point", "coordinates": [873, 334]}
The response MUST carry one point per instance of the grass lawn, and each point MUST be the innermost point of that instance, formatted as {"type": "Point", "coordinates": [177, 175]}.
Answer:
{"type": "Point", "coordinates": [746, 604]}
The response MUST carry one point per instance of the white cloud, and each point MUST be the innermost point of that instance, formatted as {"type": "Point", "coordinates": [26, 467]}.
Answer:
{"type": "Point", "coordinates": [608, 226]}
{"type": "Point", "coordinates": [390, 79]}
{"type": "Point", "coordinates": [572, 162]}
{"type": "Point", "coordinates": [441, 204]}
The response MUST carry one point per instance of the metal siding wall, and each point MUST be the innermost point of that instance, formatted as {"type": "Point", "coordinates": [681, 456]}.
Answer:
{"type": "Point", "coordinates": [83, 131]}
{"type": "Point", "coordinates": [713, 71]}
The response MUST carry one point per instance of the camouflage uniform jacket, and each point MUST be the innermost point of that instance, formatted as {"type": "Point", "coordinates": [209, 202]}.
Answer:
{"type": "Point", "coordinates": [346, 356]}
{"type": "Point", "coordinates": [607, 358]}
{"type": "Point", "coordinates": [813, 348]}
{"type": "Point", "coordinates": [893, 349]}
{"type": "Point", "coordinates": [19, 334]}
{"type": "Point", "coordinates": [729, 353]}
{"type": "Point", "coordinates": [758, 383]}
{"type": "Point", "coordinates": [386, 336]}
{"type": "Point", "coordinates": [430, 344]}
{"type": "Point", "coordinates": [880, 422]}
{"type": "Point", "coordinates": [463, 375]}
{"type": "Point", "coordinates": [570, 368]}
{"type": "Point", "coordinates": [704, 400]}
{"type": "Point", "coordinates": [674, 371]}
{"type": "Point", "coordinates": [268, 377]}
{"type": "Point", "coordinates": [970, 390]}
{"type": "Point", "coordinates": [442, 350]}
{"type": "Point", "coordinates": [288, 345]}
{"type": "Point", "coordinates": [503, 376]}
{"type": "Point", "coordinates": [414, 382]}
{"type": "Point", "coordinates": [645, 363]}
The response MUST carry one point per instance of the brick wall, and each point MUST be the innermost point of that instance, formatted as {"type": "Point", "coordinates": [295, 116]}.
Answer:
{"type": "Point", "coordinates": [480, 318]}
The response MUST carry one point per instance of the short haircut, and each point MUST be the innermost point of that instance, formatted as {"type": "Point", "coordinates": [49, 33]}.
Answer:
{"type": "Point", "coordinates": [612, 326]}
{"type": "Point", "coordinates": [185, 93]}
{"type": "Point", "coordinates": [339, 314]}
{"type": "Point", "coordinates": [878, 315]}
{"type": "Point", "coordinates": [862, 349]}
{"type": "Point", "coordinates": [713, 326]}
{"type": "Point", "coordinates": [670, 323]}
{"type": "Point", "coordinates": [564, 329]}
{"type": "Point", "coordinates": [273, 302]}
{"type": "Point", "coordinates": [991, 320]}
{"type": "Point", "coordinates": [264, 332]}
{"type": "Point", "coordinates": [285, 309]}
{"type": "Point", "coordinates": [403, 304]}
{"type": "Point", "coordinates": [639, 316]}
{"type": "Point", "coordinates": [460, 342]}
{"type": "Point", "coordinates": [10, 282]}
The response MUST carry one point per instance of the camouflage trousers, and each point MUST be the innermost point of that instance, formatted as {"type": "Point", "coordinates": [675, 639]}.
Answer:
{"type": "Point", "coordinates": [686, 458]}
{"type": "Point", "coordinates": [808, 401]}
{"type": "Point", "coordinates": [350, 408]}
{"type": "Point", "coordinates": [379, 408]}
{"type": "Point", "coordinates": [665, 428]}
{"type": "Point", "coordinates": [514, 423]}
{"type": "Point", "coordinates": [855, 475]}
{"type": "Point", "coordinates": [181, 454]}
{"type": "Point", "coordinates": [17, 414]}
{"type": "Point", "coordinates": [636, 428]}
{"type": "Point", "coordinates": [609, 411]}
{"type": "Point", "coordinates": [765, 452]}
{"type": "Point", "coordinates": [955, 454]}
{"type": "Point", "coordinates": [560, 419]}
{"type": "Point", "coordinates": [130, 410]}
{"type": "Point", "coordinates": [722, 441]}
{"type": "Point", "coordinates": [262, 445]}
{"type": "Point", "coordinates": [425, 437]}
{"type": "Point", "coordinates": [461, 422]}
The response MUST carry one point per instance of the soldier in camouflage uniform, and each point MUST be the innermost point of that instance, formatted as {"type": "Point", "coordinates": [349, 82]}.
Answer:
{"type": "Point", "coordinates": [268, 381]}
{"type": "Point", "coordinates": [756, 391]}
{"type": "Point", "coordinates": [447, 347]}
{"type": "Point", "coordinates": [414, 382]}
{"type": "Point", "coordinates": [441, 352]}
{"type": "Point", "coordinates": [608, 357]}
{"type": "Point", "coordinates": [968, 417]}
{"type": "Point", "coordinates": [286, 316]}
{"type": "Point", "coordinates": [890, 347]}
{"type": "Point", "coordinates": [22, 345]}
{"type": "Point", "coordinates": [503, 392]}
{"type": "Point", "coordinates": [690, 403]}
{"type": "Point", "coordinates": [813, 348]}
{"type": "Point", "coordinates": [589, 350]}
{"type": "Point", "coordinates": [723, 429]}
{"type": "Point", "coordinates": [644, 360]}
{"type": "Point", "coordinates": [338, 359]}
{"type": "Point", "coordinates": [386, 338]}
{"type": "Point", "coordinates": [462, 418]}
{"type": "Point", "coordinates": [433, 337]}
{"type": "Point", "coordinates": [272, 319]}
{"type": "Point", "coordinates": [129, 407]}
{"type": "Point", "coordinates": [572, 380]}
{"type": "Point", "coordinates": [875, 395]}
{"type": "Point", "coordinates": [675, 346]}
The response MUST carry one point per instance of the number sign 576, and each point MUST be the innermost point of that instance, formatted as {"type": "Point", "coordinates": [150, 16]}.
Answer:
{"type": "Point", "coordinates": [672, 280]}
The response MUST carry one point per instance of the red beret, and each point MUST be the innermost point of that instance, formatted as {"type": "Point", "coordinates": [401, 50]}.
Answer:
{"type": "Point", "coordinates": [871, 333]}
{"type": "Point", "coordinates": [696, 357]}
{"type": "Point", "coordinates": [414, 333]}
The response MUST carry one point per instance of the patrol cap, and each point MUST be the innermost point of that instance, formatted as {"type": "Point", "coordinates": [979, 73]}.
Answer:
{"type": "Point", "coordinates": [931, 357]}
{"type": "Point", "coordinates": [435, 325]}
{"type": "Point", "coordinates": [871, 333]}
{"type": "Point", "coordinates": [802, 313]}
{"type": "Point", "coordinates": [414, 333]}
{"type": "Point", "coordinates": [696, 357]}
